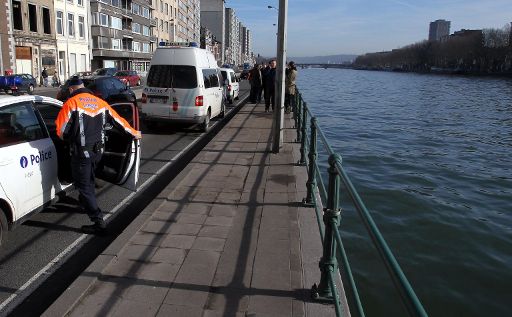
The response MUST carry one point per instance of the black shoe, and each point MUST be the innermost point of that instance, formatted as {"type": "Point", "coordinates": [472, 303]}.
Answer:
{"type": "Point", "coordinates": [98, 228]}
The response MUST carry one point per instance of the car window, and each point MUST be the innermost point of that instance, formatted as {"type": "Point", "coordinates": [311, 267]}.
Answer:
{"type": "Point", "coordinates": [224, 75]}
{"type": "Point", "coordinates": [214, 78]}
{"type": "Point", "coordinates": [19, 123]}
{"type": "Point", "coordinates": [49, 113]}
{"type": "Point", "coordinates": [232, 75]}
{"type": "Point", "coordinates": [122, 74]}
{"type": "Point", "coordinates": [206, 78]}
{"type": "Point", "coordinates": [172, 76]}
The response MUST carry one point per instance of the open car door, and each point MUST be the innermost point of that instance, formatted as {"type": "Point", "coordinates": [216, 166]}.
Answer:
{"type": "Point", "coordinates": [121, 159]}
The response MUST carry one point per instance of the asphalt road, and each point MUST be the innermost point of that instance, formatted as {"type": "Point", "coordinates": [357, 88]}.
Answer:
{"type": "Point", "coordinates": [38, 247]}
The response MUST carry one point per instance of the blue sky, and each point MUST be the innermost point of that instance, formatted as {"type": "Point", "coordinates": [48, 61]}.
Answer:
{"type": "Point", "coordinates": [327, 27]}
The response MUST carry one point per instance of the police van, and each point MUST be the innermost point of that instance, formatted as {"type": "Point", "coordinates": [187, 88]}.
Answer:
{"type": "Point", "coordinates": [183, 85]}
{"type": "Point", "coordinates": [35, 164]}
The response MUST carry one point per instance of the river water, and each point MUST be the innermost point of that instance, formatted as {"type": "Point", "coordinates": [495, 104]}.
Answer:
{"type": "Point", "coordinates": [431, 157]}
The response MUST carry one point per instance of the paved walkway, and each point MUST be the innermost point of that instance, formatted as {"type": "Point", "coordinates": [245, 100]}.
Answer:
{"type": "Point", "coordinates": [229, 240]}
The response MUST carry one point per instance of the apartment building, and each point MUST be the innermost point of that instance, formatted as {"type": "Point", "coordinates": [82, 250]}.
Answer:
{"type": "Point", "coordinates": [189, 21]}
{"type": "Point", "coordinates": [165, 12]}
{"type": "Point", "coordinates": [122, 34]}
{"type": "Point", "coordinates": [213, 19]}
{"type": "Point", "coordinates": [438, 29]}
{"type": "Point", "coordinates": [72, 27]}
{"type": "Point", "coordinates": [33, 33]}
{"type": "Point", "coordinates": [232, 38]}
{"type": "Point", "coordinates": [7, 50]}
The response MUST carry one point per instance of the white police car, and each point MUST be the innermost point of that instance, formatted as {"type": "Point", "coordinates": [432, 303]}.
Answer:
{"type": "Point", "coordinates": [35, 163]}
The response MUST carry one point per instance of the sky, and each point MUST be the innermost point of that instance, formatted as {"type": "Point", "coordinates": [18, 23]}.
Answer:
{"type": "Point", "coordinates": [330, 27]}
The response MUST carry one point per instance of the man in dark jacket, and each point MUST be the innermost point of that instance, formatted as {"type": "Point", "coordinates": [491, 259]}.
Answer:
{"type": "Point", "coordinates": [81, 122]}
{"type": "Point", "coordinates": [269, 84]}
{"type": "Point", "coordinates": [256, 82]}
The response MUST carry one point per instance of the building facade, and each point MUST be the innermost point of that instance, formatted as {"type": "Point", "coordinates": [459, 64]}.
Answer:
{"type": "Point", "coordinates": [213, 18]}
{"type": "Point", "coordinates": [122, 34]}
{"type": "Point", "coordinates": [72, 28]}
{"type": "Point", "coordinates": [33, 33]}
{"type": "Point", "coordinates": [189, 21]}
{"type": "Point", "coordinates": [232, 38]}
{"type": "Point", "coordinates": [7, 48]}
{"type": "Point", "coordinates": [164, 12]}
{"type": "Point", "coordinates": [438, 29]}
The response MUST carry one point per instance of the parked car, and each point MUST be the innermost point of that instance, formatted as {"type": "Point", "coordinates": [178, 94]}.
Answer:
{"type": "Point", "coordinates": [108, 71]}
{"type": "Point", "coordinates": [110, 89]}
{"type": "Point", "coordinates": [35, 163]}
{"type": "Point", "coordinates": [183, 85]}
{"type": "Point", "coordinates": [232, 84]}
{"type": "Point", "coordinates": [18, 83]}
{"type": "Point", "coordinates": [128, 77]}
{"type": "Point", "coordinates": [83, 74]}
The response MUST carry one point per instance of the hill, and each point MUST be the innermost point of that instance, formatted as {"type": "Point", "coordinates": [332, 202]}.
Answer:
{"type": "Point", "coordinates": [330, 59]}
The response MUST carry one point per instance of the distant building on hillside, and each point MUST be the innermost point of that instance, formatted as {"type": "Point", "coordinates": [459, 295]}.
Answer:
{"type": "Point", "coordinates": [438, 29]}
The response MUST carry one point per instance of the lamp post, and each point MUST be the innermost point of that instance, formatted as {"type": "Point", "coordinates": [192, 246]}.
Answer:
{"type": "Point", "coordinates": [277, 125]}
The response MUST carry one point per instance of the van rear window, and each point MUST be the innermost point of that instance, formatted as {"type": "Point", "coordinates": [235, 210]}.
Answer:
{"type": "Point", "coordinates": [172, 76]}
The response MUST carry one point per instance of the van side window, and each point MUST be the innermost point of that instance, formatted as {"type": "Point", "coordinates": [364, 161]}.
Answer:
{"type": "Point", "coordinates": [206, 78]}
{"type": "Point", "coordinates": [214, 78]}
{"type": "Point", "coordinates": [19, 123]}
{"type": "Point", "coordinates": [172, 76]}
{"type": "Point", "coordinates": [233, 79]}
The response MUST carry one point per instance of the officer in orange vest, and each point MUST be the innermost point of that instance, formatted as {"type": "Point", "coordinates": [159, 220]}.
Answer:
{"type": "Point", "coordinates": [81, 122]}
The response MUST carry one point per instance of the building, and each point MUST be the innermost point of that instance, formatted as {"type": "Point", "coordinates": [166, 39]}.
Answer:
{"type": "Point", "coordinates": [122, 34]}
{"type": "Point", "coordinates": [189, 21]}
{"type": "Point", "coordinates": [213, 18]}
{"type": "Point", "coordinates": [7, 49]}
{"type": "Point", "coordinates": [72, 28]}
{"type": "Point", "coordinates": [165, 12]}
{"type": "Point", "coordinates": [438, 29]}
{"type": "Point", "coordinates": [231, 38]}
{"type": "Point", "coordinates": [209, 42]}
{"type": "Point", "coordinates": [33, 34]}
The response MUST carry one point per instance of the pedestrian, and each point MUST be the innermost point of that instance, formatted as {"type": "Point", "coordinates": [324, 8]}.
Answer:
{"type": "Point", "coordinates": [289, 97]}
{"type": "Point", "coordinates": [44, 74]}
{"type": "Point", "coordinates": [55, 80]}
{"type": "Point", "coordinates": [270, 84]}
{"type": "Point", "coordinates": [81, 122]}
{"type": "Point", "coordinates": [256, 82]}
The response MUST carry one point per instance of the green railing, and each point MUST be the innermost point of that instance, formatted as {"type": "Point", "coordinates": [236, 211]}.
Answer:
{"type": "Point", "coordinates": [329, 197]}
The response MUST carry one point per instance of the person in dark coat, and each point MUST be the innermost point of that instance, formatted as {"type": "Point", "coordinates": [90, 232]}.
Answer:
{"type": "Point", "coordinates": [256, 82]}
{"type": "Point", "coordinates": [270, 84]}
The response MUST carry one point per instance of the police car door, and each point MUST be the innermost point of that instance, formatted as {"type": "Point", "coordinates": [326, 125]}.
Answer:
{"type": "Point", "coordinates": [28, 162]}
{"type": "Point", "coordinates": [121, 157]}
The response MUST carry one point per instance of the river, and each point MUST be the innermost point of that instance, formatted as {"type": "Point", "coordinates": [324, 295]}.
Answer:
{"type": "Point", "coordinates": [431, 157]}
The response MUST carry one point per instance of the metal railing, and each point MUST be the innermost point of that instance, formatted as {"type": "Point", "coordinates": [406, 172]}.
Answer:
{"type": "Point", "coordinates": [318, 195]}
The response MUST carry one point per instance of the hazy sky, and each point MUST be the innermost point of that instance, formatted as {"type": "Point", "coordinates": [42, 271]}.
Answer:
{"type": "Point", "coordinates": [327, 27]}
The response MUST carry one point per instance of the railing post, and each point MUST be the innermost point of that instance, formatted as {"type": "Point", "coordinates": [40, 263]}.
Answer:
{"type": "Point", "coordinates": [303, 135]}
{"type": "Point", "coordinates": [298, 118]}
{"type": "Point", "coordinates": [328, 264]}
{"type": "Point", "coordinates": [311, 183]}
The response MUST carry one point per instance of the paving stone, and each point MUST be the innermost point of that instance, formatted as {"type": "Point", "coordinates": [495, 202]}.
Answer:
{"type": "Point", "coordinates": [178, 241]}
{"type": "Point", "coordinates": [191, 218]}
{"type": "Point", "coordinates": [197, 208]}
{"type": "Point", "coordinates": [224, 210]}
{"type": "Point", "coordinates": [184, 229]}
{"type": "Point", "coordinates": [205, 243]}
{"type": "Point", "coordinates": [169, 255]}
{"type": "Point", "coordinates": [187, 297]}
{"type": "Point", "coordinates": [129, 308]}
{"type": "Point", "coordinates": [135, 252]}
{"type": "Point", "coordinates": [270, 306]}
{"type": "Point", "coordinates": [198, 268]}
{"type": "Point", "coordinates": [147, 238]}
{"type": "Point", "coordinates": [220, 232]}
{"type": "Point", "coordinates": [100, 300]}
{"type": "Point", "coordinates": [228, 301]}
{"type": "Point", "coordinates": [151, 294]}
{"type": "Point", "coordinates": [219, 221]}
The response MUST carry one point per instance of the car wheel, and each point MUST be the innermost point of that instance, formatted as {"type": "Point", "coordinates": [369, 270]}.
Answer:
{"type": "Point", "coordinates": [138, 82]}
{"type": "Point", "coordinates": [150, 125]}
{"type": "Point", "coordinates": [3, 227]}
{"type": "Point", "coordinates": [30, 90]}
{"type": "Point", "coordinates": [205, 126]}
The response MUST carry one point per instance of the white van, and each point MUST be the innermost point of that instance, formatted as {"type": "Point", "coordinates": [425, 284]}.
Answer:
{"type": "Point", "coordinates": [183, 85]}
{"type": "Point", "coordinates": [232, 84]}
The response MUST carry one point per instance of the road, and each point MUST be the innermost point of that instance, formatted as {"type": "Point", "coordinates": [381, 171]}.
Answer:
{"type": "Point", "coordinates": [41, 245]}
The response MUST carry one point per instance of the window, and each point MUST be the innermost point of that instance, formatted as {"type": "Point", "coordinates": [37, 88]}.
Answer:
{"type": "Point", "coordinates": [136, 46]}
{"type": "Point", "coordinates": [70, 1]}
{"type": "Point", "coordinates": [167, 8]}
{"type": "Point", "coordinates": [145, 30]}
{"type": "Point", "coordinates": [81, 27]}
{"type": "Point", "coordinates": [59, 20]}
{"type": "Point", "coordinates": [145, 12]}
{"type": "Point", "coordinates": [135, 8]}
{"type": "Point", "coordinates": [32, 17]}
{"type": "Point", "coordinates": [161, 25]}
{"type": "Point", "coordinates": [116, 23]}
{"type": "Point", "coordinates": [161, 6]}
{"type": "Point", "coordinates": [116, 44]}
{"type": "Point", "coordinates": [167, 76]}
{"type": "Point", "coordinates": [71, 24]}
{"type": "Point", "coordinates": [103, 19]}
{"type": "Point", "coordinates": [80, 3]}
{"type": "Point", "coordinates": [19, 123]}
{"type": "Point", "coordinates": [115, 3]}
{"type": "Point", "coordinates": [206, 78]}
{"type": "Point", "coordinates": [166, 27]}
{"type": "Point", "coordinates": [145, 47]}
{"type": "Point", "coordinates": [47, 29]}
{"type": "Point", "coordinates": [135, 27]}
{"type": "Point", "coordinates": [100, 42]}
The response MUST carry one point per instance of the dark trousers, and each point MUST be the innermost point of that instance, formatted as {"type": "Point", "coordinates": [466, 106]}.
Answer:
{"type": "Point", "coordinates": [270, 97]}
{"type": "Point", "coordinates": [255, 95]}
{"type": "Point", "coordinates": [289, 102]}
{"type": "Point", "coordinates": [83, 171]}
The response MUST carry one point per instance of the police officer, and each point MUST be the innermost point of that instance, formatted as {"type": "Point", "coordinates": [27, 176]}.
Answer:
{"type": "Point", "coordinates": [81, 123]}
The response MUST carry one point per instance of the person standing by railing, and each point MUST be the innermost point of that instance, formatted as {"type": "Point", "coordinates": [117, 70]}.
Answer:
{"type": "Point", "coordinates": [290, 77]}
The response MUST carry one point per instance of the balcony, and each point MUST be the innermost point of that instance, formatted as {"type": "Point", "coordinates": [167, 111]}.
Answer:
{"type": "Point", "coordinates": [153, 39]}
{"type": "Point", "coordinates": [153, 22]}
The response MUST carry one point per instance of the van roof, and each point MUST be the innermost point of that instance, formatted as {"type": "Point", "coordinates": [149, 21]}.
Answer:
{"type": "Point", "coordinates": [183, 56]}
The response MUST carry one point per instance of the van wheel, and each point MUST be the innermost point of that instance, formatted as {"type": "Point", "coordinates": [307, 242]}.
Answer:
{"type": "Point", "coordinates": [205, 126]}
{"type": "Point", "coordinates": [237, 97]}
{"type": "Point", "coordinates": [3, 227]}
{"type": "Point", "coordinates": [30, 90]}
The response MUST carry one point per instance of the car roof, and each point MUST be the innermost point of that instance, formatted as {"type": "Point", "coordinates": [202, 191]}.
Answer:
{"type": "Point", "coordinates": [6, 100]}
{"type": "Point", "coordinates": [227, 69]}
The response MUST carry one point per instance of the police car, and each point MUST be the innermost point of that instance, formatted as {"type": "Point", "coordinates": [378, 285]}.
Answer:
{"type": "Point", "coordinates": [35, 163]}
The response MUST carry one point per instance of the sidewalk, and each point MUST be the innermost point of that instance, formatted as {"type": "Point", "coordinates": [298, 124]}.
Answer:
{"type": "Point", "coordinates": [230, 239]}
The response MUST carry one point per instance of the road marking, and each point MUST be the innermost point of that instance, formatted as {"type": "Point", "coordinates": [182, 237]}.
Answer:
{"type": "Point", "coordinates": [49, 268]}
